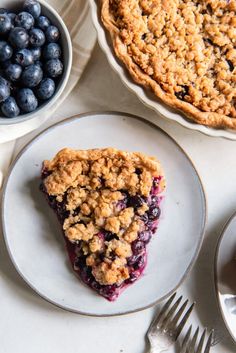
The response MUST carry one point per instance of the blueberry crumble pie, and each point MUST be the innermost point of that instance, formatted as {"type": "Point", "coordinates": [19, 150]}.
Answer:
{"type": "Point", "coordinates": [183, 50]}
{"type": "Point", "coordinates": [108, 203]}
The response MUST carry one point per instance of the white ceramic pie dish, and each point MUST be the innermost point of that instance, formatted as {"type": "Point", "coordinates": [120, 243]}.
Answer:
{"type": "Point", "coordinates": [33, 235]}
{"type": "Point", "coordinates": [147, 97]}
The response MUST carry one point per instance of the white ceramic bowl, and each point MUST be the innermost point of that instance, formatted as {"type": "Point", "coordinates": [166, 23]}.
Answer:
{"type": "Point", "coordinates": [56, 19]}
{"type": "Point", "coordinates": [147, 97]}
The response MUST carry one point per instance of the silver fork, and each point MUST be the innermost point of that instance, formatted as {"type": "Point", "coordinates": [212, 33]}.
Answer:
{"type": "Point", "coordinates": [190, 346]}
{"type": "Point", "coordinates": [165, 328]}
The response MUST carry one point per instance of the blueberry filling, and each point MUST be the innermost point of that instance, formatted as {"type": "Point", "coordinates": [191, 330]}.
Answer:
{"type": "Point", "coordinates": [231, 65]}
{"type": "Point", "coordinates": [136, 262]}
{"type": "Point", "coordinates": [183, 93]}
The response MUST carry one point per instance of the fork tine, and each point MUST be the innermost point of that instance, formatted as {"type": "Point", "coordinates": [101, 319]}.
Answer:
{"type": "Point", "coordinates": [168, 317]}
{"type": "Point", "coordinates": [185, 340]}
{"type": "Point", "coordinates": [201, 342]}
{"type": "Point", "coordinates": [178, 314]}
{"type": "Point", "coordinates": [209, 341]}
{"type": "Point", "coordinates": [191, 348]}
{"type": "Point", "coordinates": [162, 313]}
{"type": "Point", "coordinates": [183, 321]}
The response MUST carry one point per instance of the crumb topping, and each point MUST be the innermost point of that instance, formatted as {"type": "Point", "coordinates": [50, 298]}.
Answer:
{"type": "Point", "coordinates": [94, 189]}
{"type": "Point", "coordinates": [187, 47]}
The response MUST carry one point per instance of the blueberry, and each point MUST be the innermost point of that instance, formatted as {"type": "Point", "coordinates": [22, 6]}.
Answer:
{"type": "Point", "coordinates": [37, 37]}
{"type": "Point", "coordinates": [54, 67]}
{"type": "Point", "coordinates": [12, 17]}
{"type": "Point", "coordinates": [5, 64]}
{"type": "Point", "coordinates": [36, 52]}
{"type": "Point", "coordinates": [27, 100]}
{"type": "Point", "coordinates": [46, 89]}
{"type": "Point", "coordinates": [32, 75]}
{"type": "Point", "coordinates": [51, 51]}
{"type": "Point", "coordinates": [9, 108]}
{"type": "Point", "coordinates": [19, 38]}
{"type": "Point", "coordinates": [43, 23]}
{"type": "Point", "coordinates": [154, 212]}
{"type": "Point", "coordinates": [4, 91]}
{"type": "Point", "coordinates": [3, 11]}
{"type": "Point", "coordinates": [137, 247]}
{"type": "Point", "coordinates": [52, 34]}
{"type": "Point", "coordinates": [139, 263]}
{"type": "Point", "coordinates": [5, 51]}
{"type": "Point", "coordinates": [13, 72]}
{"type": "Point", "coordinates": [145, 236]}
{"type": "Point", "coordinates": [5, 23]}
{"type": "Point", "coordinates": [33, 7]}
{"type": "Point", "coordinates": [24, 57]}
{"type": "Point", "coordinates": [38, 63]}
{"type": "Point", "coordinates": [3, 81]}
{"type": "Point", "coordinates": [24, 20]}
{"type": "Point", "coordinates": [135, 201]}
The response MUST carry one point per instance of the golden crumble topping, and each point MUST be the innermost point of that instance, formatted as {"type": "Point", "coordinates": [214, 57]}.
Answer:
{"type": "Point", "coordinates": [92, 188]}
{"type": "Point", "coordinates": [185, 51]}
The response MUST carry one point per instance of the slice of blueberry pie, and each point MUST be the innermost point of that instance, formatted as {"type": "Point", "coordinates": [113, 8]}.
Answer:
{"type": "Point", "coordinates": [108, 203]}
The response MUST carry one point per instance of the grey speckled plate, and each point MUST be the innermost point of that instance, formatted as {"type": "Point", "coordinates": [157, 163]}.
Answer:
{"type": "Point", "coordinates": [225, 275]}
{"type": "Point", "coordinates": [34, 239]}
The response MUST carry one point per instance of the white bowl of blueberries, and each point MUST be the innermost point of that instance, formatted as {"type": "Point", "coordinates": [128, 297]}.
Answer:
{"type": "Point", "coordinates": [35, 59]}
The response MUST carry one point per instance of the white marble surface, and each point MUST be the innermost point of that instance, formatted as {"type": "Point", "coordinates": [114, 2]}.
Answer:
{"type": "Point", "coordinates": [29, 324]}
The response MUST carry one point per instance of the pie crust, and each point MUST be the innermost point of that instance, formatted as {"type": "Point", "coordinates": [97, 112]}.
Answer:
{"type": "Point", "coordinates": [184, 51]}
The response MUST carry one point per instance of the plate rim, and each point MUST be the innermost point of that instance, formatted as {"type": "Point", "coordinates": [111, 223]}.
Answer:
{"type": "Point", "coordinates": [216, 278]}
{"type": "Point", "coordinates": [116, 65]}
{"type": "Point", "coordinates": [78, 117]}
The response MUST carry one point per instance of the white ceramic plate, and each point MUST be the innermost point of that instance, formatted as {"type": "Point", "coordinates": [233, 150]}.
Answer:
{"type": "Point", "coordinates": [34, 238]}
{"type": "Point", "coordinates": [225, 275]}
{"type": "Point", "coordinates": [147, 97]}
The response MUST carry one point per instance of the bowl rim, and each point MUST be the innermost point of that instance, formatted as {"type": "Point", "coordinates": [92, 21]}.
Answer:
{"type": "Point", "coordinates": [67, 70]}
{"type": "Point", "coordinates": [160, 108]}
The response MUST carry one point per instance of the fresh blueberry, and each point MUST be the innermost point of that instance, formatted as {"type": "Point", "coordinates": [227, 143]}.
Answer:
{"type": "Point", "coordinates": [13, 72]}
{"type": "Point", "coordinates": [46, 89]}
{"type": "Point", "coordinates": [10, 108]}
{"type": "Point", "coordinates": [12, 17]}
{"type": "Point", "coordinates": [137, 247]}
{"type": "Point", "coordinates": [5, 51]}
{"type": "Point", "coordinates": [5, 64]}
{"type": "Point", "coordinates": [52, 34]}
{"type": "Point", "coordinates": [135, 201]}
{"type": "Point", "coordinates": [24, 20]}
{"type": "Point", "coordinates": [27, 100]}
{"type": "Point", "coordinates": [154, 212]}
{"type": "Point", "coordinates": [31, 76]}
{"type": "Point", "coordinates": [33, 7]}
{"type": "Point", "coordinates": [19, 38]}
{"type": "Point", "coordinates": [3, 81]}
{"type": "Point", "coordinates": [3, 11]}
{"type": "Point", "coordinates": [43, 23]}
{"type": "Point", "coordinates": [54, 68]}
{"type": "Point", "coordinates": [24, 57]}
{"type": "Point", "coordinates": [37, 37]}
{"type": "Point", "coordinates": [5, 23]}
{"type": "Point", "coordinates": [36, 52]}
{"type": "Point", "coordinates": [51, 51]}
{"type": "Point", "coordinates": [39, 63]}
{"type": "Point", "coordinates": [4, 91]}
